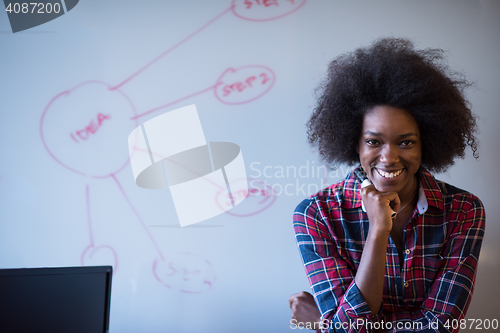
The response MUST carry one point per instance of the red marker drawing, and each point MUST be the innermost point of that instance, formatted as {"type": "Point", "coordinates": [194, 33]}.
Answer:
{"type": "Point", "coordinates": [76, 133]}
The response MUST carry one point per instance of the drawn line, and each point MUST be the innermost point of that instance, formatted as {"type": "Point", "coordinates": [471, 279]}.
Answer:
{"type": "Point", "coordinates": [40, 128]}
{"type": "Point", "coordinates": [89, 223]}
{"type": "Point", "coordinates": [138, 217]}
{"type": "Point", "coordinates": [176, 101]}
{"type": "Point", "coordinates": [172, 48]}
{"type": "Point", "coordinates": [88, 216]}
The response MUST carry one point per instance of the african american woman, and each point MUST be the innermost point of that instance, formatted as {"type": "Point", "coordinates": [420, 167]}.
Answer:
{"type": "Point", "coordinates": [398, 253]}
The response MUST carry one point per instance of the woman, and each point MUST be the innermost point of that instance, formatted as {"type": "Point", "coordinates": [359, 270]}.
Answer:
{"type": "Point", "coordinates": [400, 113]}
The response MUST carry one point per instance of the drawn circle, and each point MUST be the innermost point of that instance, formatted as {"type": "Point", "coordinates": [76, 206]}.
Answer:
{"type": "Point", "coordinates": [259, 197]}
{"type": "Point", "coordinates": [244, 84]}
{"type": "Point", "coordinates": [83, 129]}
{"type": "Point", "coordinates": [265, 10]}
{"type": "Point", "coordinates": [185, 272]}
{"type": "Point", "coordinates": [99, 255]}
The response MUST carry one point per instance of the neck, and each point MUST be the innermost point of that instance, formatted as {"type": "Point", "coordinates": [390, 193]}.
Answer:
{"type": "Point", "coordinates": [409, 192]}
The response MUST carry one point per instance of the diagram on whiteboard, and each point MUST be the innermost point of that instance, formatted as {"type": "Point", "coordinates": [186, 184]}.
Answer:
{"type": "Point", "coordinates": [81, 126]}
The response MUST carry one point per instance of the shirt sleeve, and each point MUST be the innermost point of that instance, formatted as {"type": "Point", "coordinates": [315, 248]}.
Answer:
{"type": "Point", "coordinates": [451, 291]}
{"type": "Point", "coordinates": [331, 277]}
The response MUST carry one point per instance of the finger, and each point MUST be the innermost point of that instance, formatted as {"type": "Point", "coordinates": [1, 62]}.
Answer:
{"type": "Point", "coordinates": [309, 296]}
{"type": "Point", "coordinates": [365, 191]}
{"type": "Point", "coordinates": [370, 187]}
{"type": "Point", "coordinates": [389, 199]}
{"type": "Point", "coordinates": [293, 304]}
{"type": "Point", "coordinates": [395, 206]}
{"type": "Point", "coordinates": [293, 297]}
{"type": "Point", "coordinates": [395, 202]}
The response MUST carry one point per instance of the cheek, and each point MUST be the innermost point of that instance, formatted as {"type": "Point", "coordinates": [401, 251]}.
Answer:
{"type": "Point", "coordinates": [417, 154]}
{"type": "Point", "coordinates": [367, 155]}
{"type": "Point", "coordinates": [414, 158]}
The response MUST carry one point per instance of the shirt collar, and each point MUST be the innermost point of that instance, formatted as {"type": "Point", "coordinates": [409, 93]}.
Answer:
{"type": "Point", "coordinates": [429, 192]}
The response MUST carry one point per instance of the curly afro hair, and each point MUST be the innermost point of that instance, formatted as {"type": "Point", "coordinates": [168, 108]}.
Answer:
{"type": "Point", "coordinates": [391, 72]}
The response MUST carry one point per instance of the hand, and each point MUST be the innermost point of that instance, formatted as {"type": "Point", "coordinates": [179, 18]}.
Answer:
{"type": "Point", "coordinates": [379, 207]}
{"type": "Point", "coordinates": [304, 309]}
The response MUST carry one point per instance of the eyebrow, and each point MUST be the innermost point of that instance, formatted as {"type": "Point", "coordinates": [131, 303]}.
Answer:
{"type": "Point", "coordinates": [399, 136]}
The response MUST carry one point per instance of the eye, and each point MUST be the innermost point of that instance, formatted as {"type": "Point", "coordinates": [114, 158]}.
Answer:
{"type": "Point", "coordinates": [407, 143]}
{"type": "Point", "coordinates": [372, 142]}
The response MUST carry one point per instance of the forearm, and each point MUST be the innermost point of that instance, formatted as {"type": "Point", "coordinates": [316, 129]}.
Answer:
{"type": "Point", "coordinates": [370, 275]}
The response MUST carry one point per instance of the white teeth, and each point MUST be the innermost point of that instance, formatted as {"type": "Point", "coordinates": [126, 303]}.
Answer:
{"type": "Point", "coordinates": [389, 174]}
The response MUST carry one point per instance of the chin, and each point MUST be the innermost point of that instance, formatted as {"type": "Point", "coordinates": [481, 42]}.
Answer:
{"type": "Point", "coordinates": [388, 188]}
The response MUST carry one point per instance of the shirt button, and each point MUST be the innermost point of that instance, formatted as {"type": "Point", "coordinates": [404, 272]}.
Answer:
{"type": "Point", "coordinates": [408, 251]}
{"type": "Point", "coordinates": [406, 284]}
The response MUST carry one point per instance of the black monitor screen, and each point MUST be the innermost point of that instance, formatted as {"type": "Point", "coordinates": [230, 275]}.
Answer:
{"type": "Point", "coordinates": [63, 299]}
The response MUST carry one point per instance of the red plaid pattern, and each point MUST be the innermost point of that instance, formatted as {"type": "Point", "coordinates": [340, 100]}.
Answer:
{"type": "Point", "coordinates": [441, 250]}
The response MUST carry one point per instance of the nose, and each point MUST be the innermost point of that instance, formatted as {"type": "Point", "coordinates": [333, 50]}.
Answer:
{"type": "Point", "coordinates": [389, 154]}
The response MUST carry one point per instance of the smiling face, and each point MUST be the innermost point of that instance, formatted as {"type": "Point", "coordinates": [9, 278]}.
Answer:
{"type": "Point", "coordinates": [390, 150]}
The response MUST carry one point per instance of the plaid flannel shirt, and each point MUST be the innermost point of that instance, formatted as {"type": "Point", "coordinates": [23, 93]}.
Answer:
{"type": "Point", "coordinates": [434, 284]}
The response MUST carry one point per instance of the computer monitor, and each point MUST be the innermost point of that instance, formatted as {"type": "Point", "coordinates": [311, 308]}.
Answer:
{"type": "Point", "coordinates": [62, 299]}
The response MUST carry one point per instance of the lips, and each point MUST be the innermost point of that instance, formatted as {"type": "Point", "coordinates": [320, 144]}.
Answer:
{"type": "Point", "coordinates": [389, 174]}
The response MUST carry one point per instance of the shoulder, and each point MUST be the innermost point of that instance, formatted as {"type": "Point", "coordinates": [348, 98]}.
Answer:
{"type": "Point", "coordinates": [459, 198]}
{"type": "Point", "coordinates": [464, 208]}
{"type": "Point", "coordinates": [438, 192]}
{"type": "Point", "coordinates": [313, 214]}
{"type": "Point", "coordinates": [457, 204]}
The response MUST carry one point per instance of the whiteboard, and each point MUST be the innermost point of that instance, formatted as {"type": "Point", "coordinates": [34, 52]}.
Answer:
{"type": "Point", "coordinates": [73, 89]}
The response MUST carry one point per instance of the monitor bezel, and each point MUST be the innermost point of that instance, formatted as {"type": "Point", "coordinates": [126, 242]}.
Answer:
{"type": "Point", "coordinates": [39, 271]}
